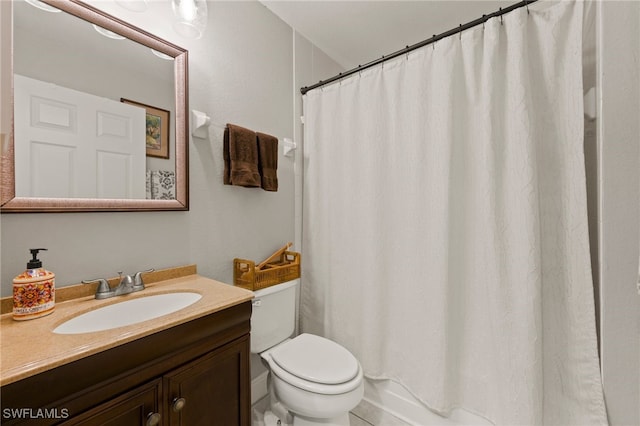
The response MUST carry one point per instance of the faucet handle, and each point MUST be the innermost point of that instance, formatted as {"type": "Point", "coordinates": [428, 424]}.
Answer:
{"type": "Point", "coordinates": [137, 279]}
{"type": "Point", "coordinates": [126, 281]}
{"type": "Point", "coordinates": [103, 287]}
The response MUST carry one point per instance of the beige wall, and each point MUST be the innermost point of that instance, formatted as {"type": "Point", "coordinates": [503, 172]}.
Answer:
{"type": "Point", "coordinates": [5, 74]}
{"type": "Point", "coordinates": [241, 71]}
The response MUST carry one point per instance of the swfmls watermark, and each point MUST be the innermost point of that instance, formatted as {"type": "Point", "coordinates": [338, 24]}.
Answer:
{"type": "Point", "coordinates": [35, 413]}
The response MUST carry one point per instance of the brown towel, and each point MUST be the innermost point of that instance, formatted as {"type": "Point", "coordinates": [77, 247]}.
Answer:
{"type": "Point", "coordinates": [268, 161]}
{"type": "Point", "coordinates": [240, 157]}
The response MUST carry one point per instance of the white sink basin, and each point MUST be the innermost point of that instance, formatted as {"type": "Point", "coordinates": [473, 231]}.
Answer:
{"type": "Point", "coordinates": [127, 313]}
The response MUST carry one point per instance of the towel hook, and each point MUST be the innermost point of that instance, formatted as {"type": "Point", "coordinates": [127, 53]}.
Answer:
{"type": "Point", "coordinates": [288, 146]}
{"type": "Point", "coordinates": [200, 123]}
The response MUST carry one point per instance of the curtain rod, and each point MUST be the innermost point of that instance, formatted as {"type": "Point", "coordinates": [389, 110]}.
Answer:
{"type": "Point", "coordinates": [418, 45]}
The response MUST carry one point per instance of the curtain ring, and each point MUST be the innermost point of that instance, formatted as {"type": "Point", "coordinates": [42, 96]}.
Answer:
{"type": "Point", "coordinates": [460, 32]}
{"type": "Point", "coordinates": [407, 52]}
{"type": "Point", "coordinates": [526, 4]}
{"type": "Point", "coordinates": [501, 21]}
{"type": "Point", "coordinates": [484, 21]}
{"type": "Point", "coordinates": [434, 42]}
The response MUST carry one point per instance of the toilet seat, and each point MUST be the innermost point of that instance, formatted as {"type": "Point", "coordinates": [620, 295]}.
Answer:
{"type": "Point", "coordinates": [316, 359]}
{"type": "Point", "coordinates": [315, 387]}
{"type": "Point", "coordinates": [315, 364]}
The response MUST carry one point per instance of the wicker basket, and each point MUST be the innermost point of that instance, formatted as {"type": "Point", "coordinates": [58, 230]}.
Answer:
{"type": "Point", "coordinates": [286, 268]}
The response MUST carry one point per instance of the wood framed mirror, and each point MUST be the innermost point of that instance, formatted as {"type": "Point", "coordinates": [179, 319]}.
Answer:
{"type": "Point", "coordinates": [55, 167]}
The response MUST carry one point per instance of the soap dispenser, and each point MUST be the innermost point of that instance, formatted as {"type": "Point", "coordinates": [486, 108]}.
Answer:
{"type": "Point", "coordinates": [34, 290]}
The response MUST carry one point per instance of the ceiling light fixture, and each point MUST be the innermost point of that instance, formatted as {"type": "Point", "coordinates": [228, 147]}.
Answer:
{"type": "Point", "coordinates": [133, 5]}
{"type": "Point", "coordinates": [191, 17]}
{"type": "Point", "coordinates": [107, 33]}
{"type": "Point", "coordinates": [43, 6]}
{"type": "Point", "coordinates": [162, 55]}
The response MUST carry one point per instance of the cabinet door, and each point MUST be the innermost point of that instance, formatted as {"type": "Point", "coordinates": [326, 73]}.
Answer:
{"type": "Point", "coordinates": [212, 390]}
{"type": "Point", "coordinates": [140, 406]}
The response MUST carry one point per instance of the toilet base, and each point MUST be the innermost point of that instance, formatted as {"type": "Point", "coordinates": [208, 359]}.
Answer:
{"type": "Point", "coordinates": [271, 419]}
{"type": "Point", "coordinates": [342, 420]}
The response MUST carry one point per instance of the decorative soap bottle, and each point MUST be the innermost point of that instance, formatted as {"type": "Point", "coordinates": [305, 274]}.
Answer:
{"type": "Point", "coordinates": [34, 291]}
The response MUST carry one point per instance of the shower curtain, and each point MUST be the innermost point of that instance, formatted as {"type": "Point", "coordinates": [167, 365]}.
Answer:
{"type": "Point", "coordinates": [445, 234]}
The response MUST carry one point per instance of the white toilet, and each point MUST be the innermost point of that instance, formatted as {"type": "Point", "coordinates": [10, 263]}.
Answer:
{"type": "Point", "coordinates": [312, 380]}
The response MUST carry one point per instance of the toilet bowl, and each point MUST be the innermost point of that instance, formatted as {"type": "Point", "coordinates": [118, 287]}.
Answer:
{"type": "Point", "coordinates": [312, 380]}
{"type": "Point", "coordinates": [314, 377]}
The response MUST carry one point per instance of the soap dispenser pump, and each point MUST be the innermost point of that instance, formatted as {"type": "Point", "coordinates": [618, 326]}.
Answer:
{"type": "Point", "coordinates": [33, 290]}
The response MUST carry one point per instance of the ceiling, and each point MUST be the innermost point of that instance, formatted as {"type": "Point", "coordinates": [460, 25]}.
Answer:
{"type": "Point", "coordinates": [357, 32]}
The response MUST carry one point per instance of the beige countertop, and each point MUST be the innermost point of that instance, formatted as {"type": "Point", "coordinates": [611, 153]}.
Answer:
{"type": "Point", "coordinates": [30, 347]}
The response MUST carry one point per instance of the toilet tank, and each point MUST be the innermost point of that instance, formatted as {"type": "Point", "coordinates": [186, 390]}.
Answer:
{"type": "Point", "coordinates": [274, 315]}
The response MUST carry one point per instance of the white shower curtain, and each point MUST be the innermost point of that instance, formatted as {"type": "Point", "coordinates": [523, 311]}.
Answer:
{"type": "Point", "coordinates": [445, 222]}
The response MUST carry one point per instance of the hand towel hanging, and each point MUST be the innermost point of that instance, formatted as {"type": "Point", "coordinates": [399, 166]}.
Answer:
{"type": "Point", "coordinates": [268, 161]}
{"type": "Point", "coordinates": [240, 157]}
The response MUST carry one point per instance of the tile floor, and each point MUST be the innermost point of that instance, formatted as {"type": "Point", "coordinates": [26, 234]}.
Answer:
{"type": "Point", "coordinates": [364, 414]}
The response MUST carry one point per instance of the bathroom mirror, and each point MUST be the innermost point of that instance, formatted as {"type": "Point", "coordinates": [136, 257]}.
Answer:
{"type": "Point", "coordinates": [99, 114]}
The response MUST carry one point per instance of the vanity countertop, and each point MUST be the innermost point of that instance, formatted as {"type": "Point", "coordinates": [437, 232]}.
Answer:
{"type": "Point", "coordinates": [30, 347]}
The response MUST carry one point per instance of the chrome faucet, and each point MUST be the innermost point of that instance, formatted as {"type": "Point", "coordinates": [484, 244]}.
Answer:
{"type": "Point", "coordinates": [128, 284]}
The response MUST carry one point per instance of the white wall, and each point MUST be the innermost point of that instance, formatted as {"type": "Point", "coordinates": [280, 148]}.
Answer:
{"type": "Point", "coordinates": [310, 65]}
{"type": "Point", "coordinates": [619, 140]}
{"type": "Point", "coordinates": [5, 74]}
{"type": "Point", "coordinates": [241, 71]}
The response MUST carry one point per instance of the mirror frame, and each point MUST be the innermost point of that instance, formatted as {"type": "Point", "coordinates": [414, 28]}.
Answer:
{"type": "Point", "coordinates": [9, 203]}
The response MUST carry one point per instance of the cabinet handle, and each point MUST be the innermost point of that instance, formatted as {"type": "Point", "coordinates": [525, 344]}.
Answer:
{"type": "Point", "coordinates": [153, 419]}
{"type": "Point", "coordinates": [178, 404]}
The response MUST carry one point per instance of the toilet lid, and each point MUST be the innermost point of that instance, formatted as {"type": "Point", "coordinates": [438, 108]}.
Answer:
{"type": "Point", "coordinates": [316, 359]}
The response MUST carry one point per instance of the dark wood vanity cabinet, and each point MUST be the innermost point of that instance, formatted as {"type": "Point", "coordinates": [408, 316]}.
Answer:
{"type": "Point", "coordinates": [207, 391]}
{"type": "Point", "coordinates": [133, 408]}
{"type": "Point", "coordinates": [192, 374]}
